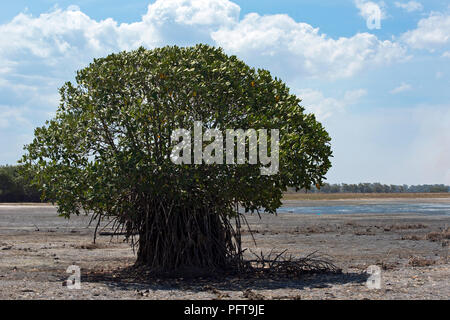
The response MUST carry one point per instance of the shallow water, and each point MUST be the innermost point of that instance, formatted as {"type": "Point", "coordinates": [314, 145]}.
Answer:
{"type": "Point", "coordinates": [420, 208]}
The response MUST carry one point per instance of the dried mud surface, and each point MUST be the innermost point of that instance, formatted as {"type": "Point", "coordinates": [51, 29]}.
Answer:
{"type": "Point", "coordinates": [37, 247]}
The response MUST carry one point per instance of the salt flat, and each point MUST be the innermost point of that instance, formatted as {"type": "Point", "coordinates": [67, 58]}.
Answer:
{"type": "Point", "coordinates": [37, 246]}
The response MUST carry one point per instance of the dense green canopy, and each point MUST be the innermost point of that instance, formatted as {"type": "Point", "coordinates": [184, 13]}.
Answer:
{"type": "Point", "coordinates": [108, 149]}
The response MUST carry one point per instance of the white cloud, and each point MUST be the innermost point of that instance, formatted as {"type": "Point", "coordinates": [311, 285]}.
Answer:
{"type": "Point", "coordinates": [59, 36]}
{"type": "Point", "coordinates": [277, 41]}
{"type": "Point", "coordinates": [401, 88]}
{"type": "Point", "coordinates": [446, 54]}
{"type": "Point", "coordinates": [410, 6]}
{"type": "Point", "coordinates": [353, 96]}
{"type": "Point", "coordinates": [74, 37]}
{"type": "Point", "coordinates": [39, 53]}
{"type": "Point", "coordinates": [431, 33]}
{"type": "Point", "coordinates": [216, 13]}
{"type": "Point", "coordinates": [323, 107]}
{"type": "Point", "coordinates": [41, 45]}
{"type": "Point", "coordinates": [185, 22]}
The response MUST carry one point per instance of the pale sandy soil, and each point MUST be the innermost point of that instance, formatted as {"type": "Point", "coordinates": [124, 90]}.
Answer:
{"type": "Point", "coordinates": [36, 247]}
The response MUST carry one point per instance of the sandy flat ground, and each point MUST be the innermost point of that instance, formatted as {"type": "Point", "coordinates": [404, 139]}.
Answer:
{"type": "Point", "coordinates": [36, 248]}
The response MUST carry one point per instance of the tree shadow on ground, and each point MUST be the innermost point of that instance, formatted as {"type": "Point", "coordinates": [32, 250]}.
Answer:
{"type": "Point", "coordinates": [125, 280]}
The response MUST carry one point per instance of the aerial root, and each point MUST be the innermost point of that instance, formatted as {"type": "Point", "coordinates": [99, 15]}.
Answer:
{"type": "Point", "coordinates": [283, 264]}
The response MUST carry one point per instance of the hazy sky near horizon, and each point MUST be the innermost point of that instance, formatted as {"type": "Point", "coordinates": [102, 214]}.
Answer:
{"type": "Point", "coordinates": [382, 94]}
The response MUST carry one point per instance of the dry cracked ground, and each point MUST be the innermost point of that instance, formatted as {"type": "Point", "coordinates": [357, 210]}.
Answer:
{"type": "Point", "coordinates": [37, 247]}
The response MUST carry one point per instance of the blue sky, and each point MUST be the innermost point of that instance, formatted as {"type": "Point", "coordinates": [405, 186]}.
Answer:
{"type": "Point", "coordinates": [383, 94]}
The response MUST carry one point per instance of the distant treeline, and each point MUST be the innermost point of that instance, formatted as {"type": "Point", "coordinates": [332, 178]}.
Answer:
{"type": "Point", "coordinates": [379, 188]}
{"type": "Point", "coordinates": [13, 188]}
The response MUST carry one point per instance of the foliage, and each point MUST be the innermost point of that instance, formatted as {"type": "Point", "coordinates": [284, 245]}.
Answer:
{"type": "Point", "coordinates": [107, 151]}
{"type": "Point", "coordinates": [14, 188]}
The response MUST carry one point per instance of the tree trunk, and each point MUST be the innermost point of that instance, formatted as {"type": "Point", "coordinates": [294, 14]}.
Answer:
{"type": "Point", "coordinates": [186, 238]}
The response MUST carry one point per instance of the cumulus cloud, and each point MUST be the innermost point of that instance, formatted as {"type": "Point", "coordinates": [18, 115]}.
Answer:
{"type": "Point", "coordinates": [410, 6]}
{"type": "Point", "coordinates": [277, 41]}
{"type": "Point", "coordinates": [208, 13]}
{"type": "Point", "coordinates": [401, 88]}
{"type": "Point", "coordinates": [431, 33]}
{"type": "Point", "coordinates": [39, 53]}
{"type": "Point", "coordinates": [184, 22]}
{"type": "Point", "coordinates": [72, 38]}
